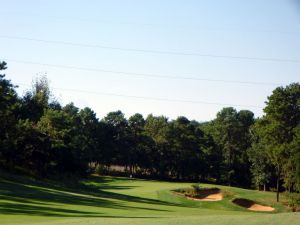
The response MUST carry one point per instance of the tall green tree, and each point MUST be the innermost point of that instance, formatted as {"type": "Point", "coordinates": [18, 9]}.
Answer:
{"type": "Point", "coordinates": [32, 148]}
{"type": "Point", "coordinates": [213, 153]}
{"type": "Point", "coordinates": [157, 128]}
{"type": "Point", "coordinates": [89, 134]}
{"type": "Point", "coordinates": [36, 100]}
{"type": "Point", "coordinates": [9, 105]}
{"type": "Point", "coordinates": [292, 168]}
{"type": "Point", "coordinates": [136, 125]}
{"type": "Point", "coordinates": [185, 140]}
{"type": "Point", "coordinates": [231, 131]}
{"type": "Point", "coordinates": [118, 124]}
{"type": "Point", "coordinates": [57, 125]}
{"type": "Point", "coordinates": [278, 128]}
{"type": "Point", "coordinates": [259, 161]}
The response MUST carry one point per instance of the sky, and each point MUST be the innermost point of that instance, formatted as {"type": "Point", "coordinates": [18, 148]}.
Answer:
{"type": "Point", "coordinates": [136, 55]}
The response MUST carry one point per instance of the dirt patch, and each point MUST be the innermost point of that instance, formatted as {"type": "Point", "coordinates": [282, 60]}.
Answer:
{"type": "Point", "coordinates": [213, 194]}
{"type": "Point", "coordinates": [251, 205]}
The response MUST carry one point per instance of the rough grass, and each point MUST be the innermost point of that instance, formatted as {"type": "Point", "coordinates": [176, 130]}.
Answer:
{"type": "Point", "coordinates": [109, 200]}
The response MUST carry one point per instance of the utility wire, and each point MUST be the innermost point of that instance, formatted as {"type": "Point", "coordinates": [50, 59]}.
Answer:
{"type": "Point", "coordinates": [159, 76]}
{"type": "Point", "coordinates": [152, 51]}
{"type": "Point", "coordinates": [148, 98]}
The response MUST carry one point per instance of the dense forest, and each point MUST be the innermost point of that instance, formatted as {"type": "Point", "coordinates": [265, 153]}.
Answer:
{"type": "Point", "coordinates": [41, 137]}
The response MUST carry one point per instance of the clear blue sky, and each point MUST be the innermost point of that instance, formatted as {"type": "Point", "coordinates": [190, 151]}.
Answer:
{"type": "Point", "coordinates": [248, 28]}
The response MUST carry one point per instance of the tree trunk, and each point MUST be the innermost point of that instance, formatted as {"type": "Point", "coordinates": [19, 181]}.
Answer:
{"type": "Point", "coordinates": [277, 194]}
{"type": "Point", "coordinates": [264, 187]}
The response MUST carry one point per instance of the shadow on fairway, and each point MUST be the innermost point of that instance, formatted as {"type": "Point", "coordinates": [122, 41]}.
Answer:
{"type": "Point", "coordinates": [26, 197]}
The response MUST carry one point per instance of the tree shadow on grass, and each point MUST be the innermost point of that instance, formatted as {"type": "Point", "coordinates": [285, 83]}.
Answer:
{"type": "Point", "coordinates": [104, 183]}
{"type": "Point", "coordinates": [20, 209]}
{"type": "Point", "coordinates": [29, 198]}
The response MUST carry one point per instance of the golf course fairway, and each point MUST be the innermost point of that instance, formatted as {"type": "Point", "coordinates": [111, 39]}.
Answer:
{"type": "Point", "coordinates": [113, 200]}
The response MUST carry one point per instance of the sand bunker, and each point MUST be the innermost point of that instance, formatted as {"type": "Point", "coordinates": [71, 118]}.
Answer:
{"type": "Point", "coordinates": [206, 195]}
{"type": "Point", "coordinates": [210, 198]}
{"type": "Point", "coordinates": [251, 205]}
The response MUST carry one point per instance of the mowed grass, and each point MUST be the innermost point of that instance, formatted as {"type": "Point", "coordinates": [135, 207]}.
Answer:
{"type": "Point", "coordinates": [111, 200]}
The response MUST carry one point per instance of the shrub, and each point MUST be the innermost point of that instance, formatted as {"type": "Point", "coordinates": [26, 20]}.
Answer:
{"type": "Point", "coordinates": [100, 169]}
{"type": "Point", "coordinates": [293, 200]}
{"type": "Point", "coordinates": [196, 187]}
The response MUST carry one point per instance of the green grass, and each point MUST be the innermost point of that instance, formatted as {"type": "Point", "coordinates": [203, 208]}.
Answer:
{"type": "Point", "coordinates": [110, 200]}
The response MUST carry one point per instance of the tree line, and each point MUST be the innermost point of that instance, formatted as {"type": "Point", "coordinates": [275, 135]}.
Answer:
{"type": "Point", "coordinates": [40, 136]}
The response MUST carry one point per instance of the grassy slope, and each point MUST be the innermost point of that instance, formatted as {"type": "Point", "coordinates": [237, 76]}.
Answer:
{"type": "Point", "coordinates": [109, 200]}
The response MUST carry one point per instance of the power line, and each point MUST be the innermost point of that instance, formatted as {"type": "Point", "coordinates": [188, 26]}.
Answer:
{"type": "Point", "coordinates": [152, 51]}
{"type": "Point", "coordinates": [148, 98]}
{"type": "Point", "coordinates": [159, 76]}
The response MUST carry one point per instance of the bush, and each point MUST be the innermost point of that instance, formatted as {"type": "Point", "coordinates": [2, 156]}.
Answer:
{"type": "Point", "coordinates": [100, 169]}
{"type": "Point", "coordinates": [196, 187]}
{"type": "Point", "coordinates": [293, 200]}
